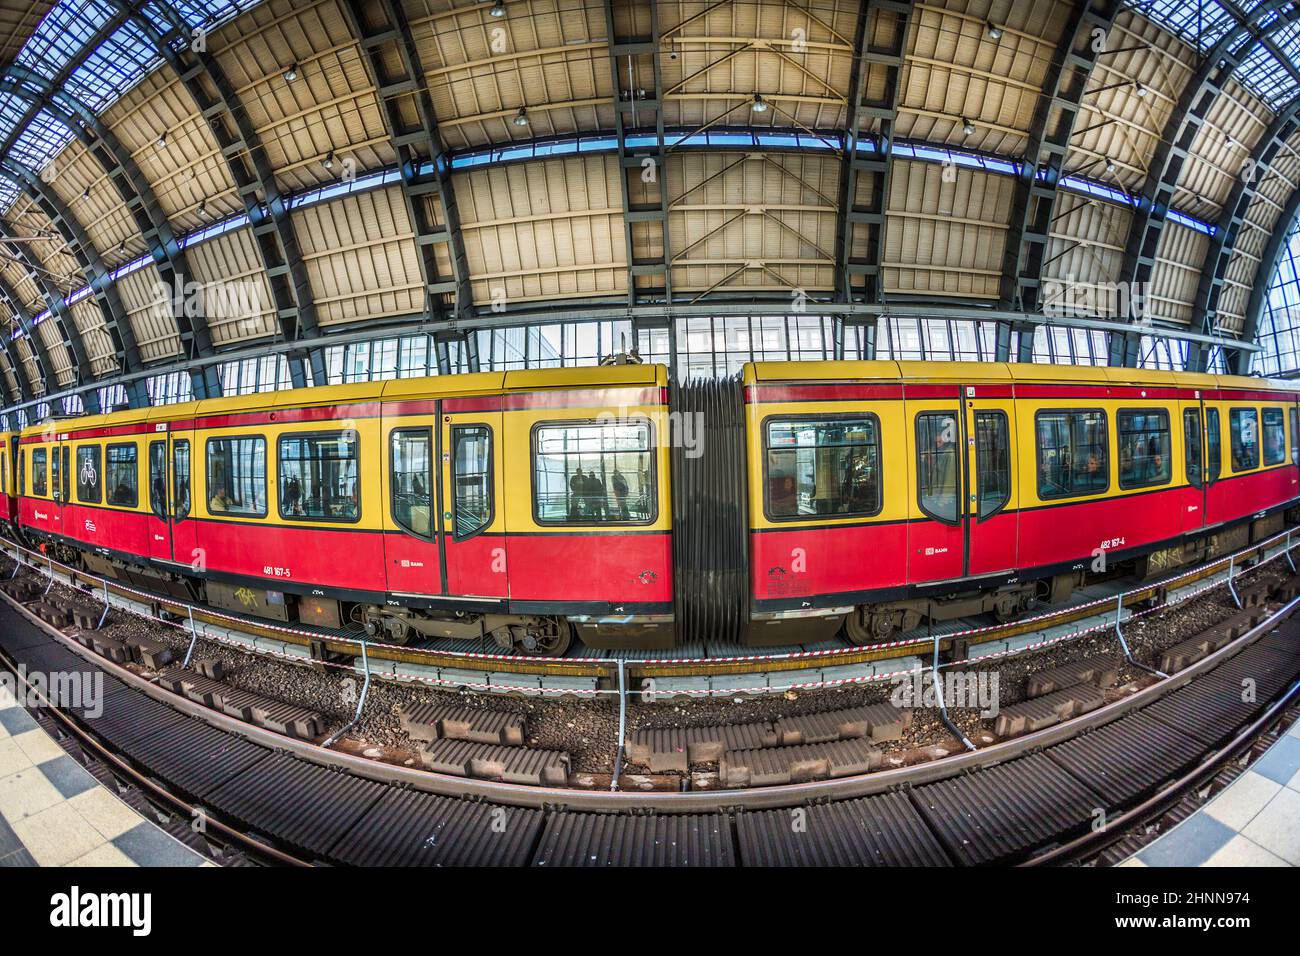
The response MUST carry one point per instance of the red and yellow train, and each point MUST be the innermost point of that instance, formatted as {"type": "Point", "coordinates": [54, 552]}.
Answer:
{"type": "Point", "coordinates": [795, 500]}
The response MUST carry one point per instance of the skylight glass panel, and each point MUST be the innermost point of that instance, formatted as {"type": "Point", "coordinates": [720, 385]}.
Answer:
{"type": "Point", "coordinates": [1202, 24]}
{"type": "Point", "coordinates": [43, 137]}
{"type": "Point", "coordinates": [64, 32]}
{"type": "Point", "coordinates": [114, 67]}
{"type": "Point", "coordinates": [1263, 74]}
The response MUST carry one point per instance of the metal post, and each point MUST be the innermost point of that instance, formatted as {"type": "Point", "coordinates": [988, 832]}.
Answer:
{"type": "Point", "coordinates": [1289, 559]}
{"type": "Point", "coordinates": [194, 639]}
{"type": "Point", "coordinates": [622, 725]}
{"type": "Point", "coordinates": [104, 617]}
{"type": "Point", "coordinates": [50, 560]}
{"type": "Point", "coordinates": [943, 707]}
{"type": "Point", "coordinates": [361, 701]}
{"type": "Point", "coordinates": [1123, 643]}
{"type": "Point", "coordinates": [1232, 588]}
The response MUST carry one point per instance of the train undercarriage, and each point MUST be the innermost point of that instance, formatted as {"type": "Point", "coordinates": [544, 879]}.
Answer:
{"type": "Point", "coordinates": [552, 635]}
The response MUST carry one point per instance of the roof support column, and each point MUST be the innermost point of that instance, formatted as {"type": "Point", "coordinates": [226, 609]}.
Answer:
{"type": "Point", "coordinates": [1034, 200]}
{"type": "Point", "coordinates": [1180, 132]}
{"type": "Point", "coordinates": [860, 235]}
{"type": "Point", "coordinates": [393, 62]}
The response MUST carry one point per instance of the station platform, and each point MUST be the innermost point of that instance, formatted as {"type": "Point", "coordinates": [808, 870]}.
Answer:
{"type": "Point", "coordinates": [54, 813]}
{"type": "Point", "coordinates": [1254, 821]}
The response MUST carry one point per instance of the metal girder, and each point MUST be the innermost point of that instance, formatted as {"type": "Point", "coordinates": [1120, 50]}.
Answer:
{"type": "Point", "coordinates": [1033, 204]}
{"type": "Point", "coordinates": [394, 65]}
{"type": "Point", "coordinates": [879, 41]}
{"type": "Point", "coordinates": [643, 174]}
{"type": "Point", "coordinates": [1238, 363]}
{"type": "Point", "coordinates": [1232, 219]}
{"type": "Point", "coordinates": [60, 314]}
{"type": "Point", "coordinates": [25, 384]}
{"type": "Point", "coordinates": [574, 310]}
{"type": "Point", "coordinates": [1179, 133]}
{"type": "Point", "coordinates": [136, 193]}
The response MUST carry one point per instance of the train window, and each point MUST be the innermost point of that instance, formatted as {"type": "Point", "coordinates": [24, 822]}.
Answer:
{"type": "Point", "coordinates": [158, 479]}
{"type": "Point", "coordinates": [318, 477]}
{"type": "Point", "coordinates": [937, 437]}
{"type": "Point", "coordinates": [1213, 454]}
{"type": "Point", "coordinates": [471, 479]}
{"type": "Point", "coordinates": [1192, 445]}
{"type": "Point", "coordinates": [180, 480]}
{"type": "Point", "coordinates": [89, 488]}
{"type": "Point", "coordinates": [122, 475]}
{"type": "Point", "coordinates": [586, 473]}
{"type": "Point", "coordinates": [22, 473]}
{"type": "Point", "coordinates": [412, 480]}
{"type": "Point", "coordinates": [1274, 436]}
{"type": "Point", "coordinates": [992, 462]}
{"type": "Point", "coordinates": [1073, 454]}
{"type": "Point", "coordinates": [823, 467]}
{"type": "Point", "coordinates": [1243, 435]}
{"type": "Point", "coordinates": [1295, 435]}
{"type": "Point", "coordinates": [237, 476]}
{"type": "Point", "coordinates": [1143, 448]}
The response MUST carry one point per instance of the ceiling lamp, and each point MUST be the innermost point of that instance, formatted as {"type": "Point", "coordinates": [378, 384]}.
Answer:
{"type": "Point", "coordinates": [1110, 165]}
{"type": "Point", "coordinates": [967, 127]}
{"type": "Point", "coordinates": [162, 140]}
{"type": "Point", "coordinates": [498, 9]}
{"type": "Point", "coordinates": [291, 74]}
{"type": "Point", "coordinates": [1228, 138]}
{"type": "Point", "coordinates": [759, 105]}
{"type": "Point", "coordinates": [328, 161]}
{"type": "Point", "coordinates": [1139, 89]}
{"type": "Point", "coordinates": [995, 32]}
{"type": "Point", "coordinates": [521, 118]}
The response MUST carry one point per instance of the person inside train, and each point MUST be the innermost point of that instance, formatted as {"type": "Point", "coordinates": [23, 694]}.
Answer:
{"type": "Point", "coordinates": [595, 497]}
{"type": "Point", "coordinates": [123, 494]}
{"type": "Point", "coordinates": [220, 502]}
{"type": "Point", "coordinates": [293, 497]}
{"type": "Point", "coordinates": [619, 484]}
{"type": "Point", "coordinates": [577, 495]}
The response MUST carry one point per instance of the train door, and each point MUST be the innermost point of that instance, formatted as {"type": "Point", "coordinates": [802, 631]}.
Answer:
{"type": "Point", "coordinates": [60, 486]}
{"type": "Point", "coordinates": [1195, 465]}
{"type": "Point", "coordinates": [184, 529]}
{"type": "Point", "coordinates": [469, 483]}
{"type": "Point", "coordinates": [937, 529]}
{"type": "Point", "coordinates": [160, 522]}
{"type": "Point", "coordinates": [410, 485]}
{"type": "Point", "coordinates": [1214, 493]}
{"type": "Point", "coordinates": [991, 516]}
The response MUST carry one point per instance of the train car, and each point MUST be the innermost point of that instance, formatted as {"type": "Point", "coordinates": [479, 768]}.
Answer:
{"type": "Point", "coordinates": [8, 481]}
{"type": "Point", "coordinates": [979, 488]}
{"type": "Point", "coordinates": [793, 501]}
{"type": "Point", "coordinates": [506, 506]}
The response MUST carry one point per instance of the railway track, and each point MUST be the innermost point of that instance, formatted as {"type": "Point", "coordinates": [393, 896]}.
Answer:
{"type": "Point", "coordinates": [1003, 803]}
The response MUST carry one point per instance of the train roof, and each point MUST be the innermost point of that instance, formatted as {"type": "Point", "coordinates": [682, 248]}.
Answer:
{"type": "Point", "coordinates": [970, 372]}
{"type": "Point", "coordinates": [436, 386]}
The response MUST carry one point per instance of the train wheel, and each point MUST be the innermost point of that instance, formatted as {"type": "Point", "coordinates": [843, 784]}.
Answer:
{"type": "Point", "coordinates": [862, 628]}
{"type": "Point", "coordinates": [551, 641]}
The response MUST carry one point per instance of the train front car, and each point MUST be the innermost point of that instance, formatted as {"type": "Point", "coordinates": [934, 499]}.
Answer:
{"type": "Point", "coordinates": [8, 482]}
